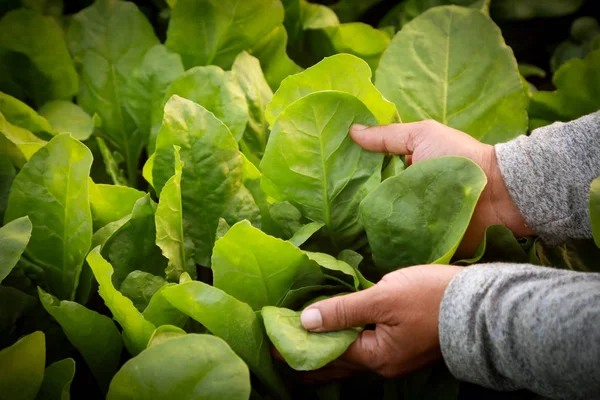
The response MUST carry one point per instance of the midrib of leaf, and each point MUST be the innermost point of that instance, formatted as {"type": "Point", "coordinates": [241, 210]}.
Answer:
{"type": "Point", "coordinates": [447, 69]}
{"type": "Point", "coordinates": [216, 49]}
{"type": "Point", "coordinates": [326, 208]}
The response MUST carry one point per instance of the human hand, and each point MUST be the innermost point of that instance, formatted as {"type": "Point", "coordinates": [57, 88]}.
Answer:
{"type": "Point", "coordinates": [404, 306]}
{"type": "Point", "coordinates": [429, 139]}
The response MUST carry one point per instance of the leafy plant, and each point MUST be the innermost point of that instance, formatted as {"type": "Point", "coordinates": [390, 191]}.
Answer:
{"type": "Point", "coordinates": [255, 202]}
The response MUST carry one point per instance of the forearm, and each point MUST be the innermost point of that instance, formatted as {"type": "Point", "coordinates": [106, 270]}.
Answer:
{"type": "Point", "coordinates": [548, 175]}
{"type": "Point", "coordinates": [510, 326]}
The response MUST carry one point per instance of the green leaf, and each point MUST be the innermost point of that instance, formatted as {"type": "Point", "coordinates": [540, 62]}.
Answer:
{"type": "Point", "coordinates": [211, 157]}
{"type": "Point", "coordinates": [20, 114]}
{"type": "Point", "coordinates": [332, 264]}
{"type": "Point", "coordinates": [239, 326]}
{"type": "Point", "coordinates": [22, 367]}
{"type": "Point", "coordinates": [342, 72]}
{"type": "Point", "coordinates": [303, 350]}
{"type": "Point", "coordinates": [109, 40]}
{"type": "Point", "coordinates": [111, 162]}
{"type": "Point", "coordinates": [527, 9]}
{"type": "Point", "coordinates": [7, 176]}
{"type": "Point", "coordinates": [498, 245]}
{"type": "Point", "coordinates": [133, 245]}
{"type": "Point", "coordinates": [45, 69]}
{"type": "Point", "coordinates": [136, 329]}
{"type": "Point", "coordinates": [577, 83]}
{"type": "Point", "coordinates": [161, 312]}
{"type": "Point", "coordinates": [169, 227]}
{"type": "Point", "coordinates": [312, 162]}
{"type": "Point", "coordinates": [305, 232]}
{"type": "Point", "coordinates": [52, 189]}
{"type": "Point", "coordinates": [164, 333]}
{"type": "Point", "coordinates": [463, 75]}
{"type": "Point", "coordinates": [14, 237]}
{"type": "Point", "coordinates": [57, 380]}
{"type": "Point", "coordinates": [529, 70]}
{"type": "Point", "coordinates": [140, 286]}
{"type": "Point", "coordinates": [215, 90]}
{"type": "Point", "coordinates": [94, 335]}
{"type": "Point", "coordinates": [66, 117]}
{"type": "Point", "coordinates": [354, 259]}
{"type": "Point", "coordinates": [259, 269]}
{"type": "Point", "coordinates": [594, 204]}
{"type": "Point", "coordinates": [258, 94]}
{"type": "Point", "coordinates": [272, 53]}
{"type": "Point", "coordinates": [215, 31]}
{"type": "Point", "coordinates": [356, 38]}
{"type": "Point", "coordinates": [110, 203]}
{"type": "Point", "coordinates": [393, 168]}
{"type": "Point", "coordinates": [190, 367]}
{"type": "Point", "coordinates": [432, 200]}
{"type": "Point", "coordinates": [25, 142]}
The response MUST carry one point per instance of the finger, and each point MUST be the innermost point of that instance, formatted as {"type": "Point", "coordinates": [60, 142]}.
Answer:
{"type": "Point", "coordinates": [394, 138]}
{"type": "Point", "coordinates": [341, 312]}
{"type": "Point", "coordinates": [363, 353]}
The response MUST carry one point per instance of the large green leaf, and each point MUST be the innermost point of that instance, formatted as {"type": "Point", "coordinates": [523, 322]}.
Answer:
{"type": "Point", "coordinates": [451, 64]}
{"type": "Point", "coordinates": [214, 32]}
{"type": "Point", "coordinates": [421, 215]}
{"type": "Point", "coordinates": [52, 189]}
{"type": "Point", "coordinates": [356, 38]}
{"type": "Point", "coordinates": [250, 77]}
{"type": "Point", "coordinates": [303, 350]}
{"type": "Point", "coordinates": [20, 114]}
{"type": "Point", "coordinates": [136, 329]}
{"type": "Point", "coordinates": [43, 66]}
{"type": "Point", "coordinates": [595, 209]}
{"type": "Point", "coordinates": [22, 367]}
{"type": "Point", "coordinates": [66, 117]}
{"type": "Point", "coordinates": [161, 312]}
{"type": "Point", "coordinates": [342, 72]}
{"type": "Point", "coordinates": [108, 41]}
{"type": "Point", "coordinates": [132, 246]}
{"type": "Point", "coordinates": [94, 335]}
{"type": "Point", "coordinates": [110, 203]}
{"type": "Point", "coordinates": [212, 170]}
{"type": "Point", "coordinates": [57, 380]}
{"type": "Point", "coordinates": [169, 227]}
{"type": "Point", "coordinates": [14, 237]}
{"type": "Point", "coordinates": [312, 162]}
{"type": "Point", "coordinates": [20, 139]}
{"type": "Point", "coordinates": [212, 88]}
{"type": "Point", "coordinates": [239, 326]}
{"type": "Point", "coordinates": [577, 85]}
{"type": "Point", "coordinates": [333, 265]}
{"type": "Point", "coordinates": [259, 269]}
{"type": "Point", "coordinates": [498, 245]}
{"type": "Point", "coordinates": [190, 367]}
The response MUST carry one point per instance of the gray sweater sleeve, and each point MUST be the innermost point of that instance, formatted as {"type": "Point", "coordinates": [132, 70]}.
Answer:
{"type": "Point", "coordinates": [509, 327]}
{"type": "Point", "coordinates": [548, 175]}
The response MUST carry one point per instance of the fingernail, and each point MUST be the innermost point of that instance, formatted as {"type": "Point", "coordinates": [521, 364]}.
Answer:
{"type": "Point", "coordinates": [358, 127]}
{"type": "Point", "coordinates": [311, 319]}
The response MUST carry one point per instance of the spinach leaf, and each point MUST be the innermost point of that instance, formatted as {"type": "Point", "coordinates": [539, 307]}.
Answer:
{"type": "Point", "coordinates": [66, 117]}
{"type": "Point", "coordinates": [239, 326]}
{"type": "Point", "coordinates": [342, 72]}
{"type": "Point", "coordinates": [7, 176]}
{"type": "Point", "coordinates": [164, 333]}
{"type": "Point", "coordinates": [303, 350]}
{"type": "Point", "coordinates": [52, 189]}
{"type": "Point", "coordinates": [190, 367]}
{"type": "Point", "coordinates": [24, 142]}
{"type": "Point", "coordinates": [333, 265]}
{"type": "Point", "coordinates": [20, 114]}
{"type": "Point", "coordinates": [312, 162]}
{"type": "Point", "coordinates": [136, 329]}
{"type": "Point", "coordinates": [161, 312]}
{"type": "Point", "coordinates": [140, 286]}
{"type": "Point", "coordinates": [433, 201]}
{"type": "Point", "coordinates": [14, 237]}
{"type": "Point", "coordinates": [110, 203]}
{"type": "Point", "coordinates": [108, 41]}
{"type": "Point", "coordinates": [441, 78]}
{"type": "Point", "coordinates": [22, 367]}
{"type": "Point", "coordinates": [259, 269]}
{"type": "Point", "coordinates": [57, 380]}
{"type": "Point", "coordinates": [94, 335]}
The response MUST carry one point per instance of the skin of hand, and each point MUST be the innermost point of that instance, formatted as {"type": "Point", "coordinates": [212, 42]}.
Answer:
{"type": "Point", "coordinates": [405, 304]}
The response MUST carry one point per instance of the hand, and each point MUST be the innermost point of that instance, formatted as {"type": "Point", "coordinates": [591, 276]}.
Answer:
{"type": "Point", "coordinates": [429, 139]}
{"type": "Point", "coordinates": [404, 306]}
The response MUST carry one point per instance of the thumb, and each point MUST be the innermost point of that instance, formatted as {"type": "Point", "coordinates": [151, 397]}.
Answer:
{"type": "Point", "coordinates": [393, 139]}
{"type": "Point", "coordinates": [341, 312]}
